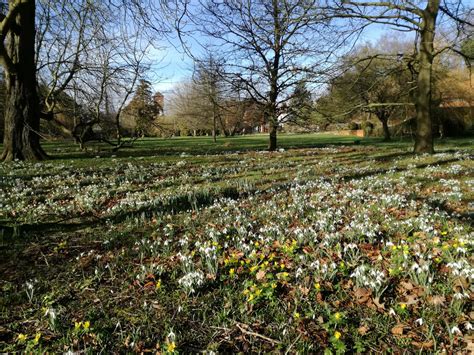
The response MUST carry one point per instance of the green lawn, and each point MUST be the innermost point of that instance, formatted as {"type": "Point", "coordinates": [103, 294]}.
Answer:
{"type": "Point", "coordinates": [333, 244]}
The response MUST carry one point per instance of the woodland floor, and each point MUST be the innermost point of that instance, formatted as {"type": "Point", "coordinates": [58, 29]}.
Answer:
{"type": "Point", "coordinates": [331, 244]}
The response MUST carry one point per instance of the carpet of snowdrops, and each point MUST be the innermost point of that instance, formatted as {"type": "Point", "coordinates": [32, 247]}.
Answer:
{"type": "Point", "coordinates": [338, 249]}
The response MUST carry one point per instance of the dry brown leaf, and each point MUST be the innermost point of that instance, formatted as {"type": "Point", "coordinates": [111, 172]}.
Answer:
{"type": "Point", "coordinates": [436, 300]}
{"type": "Point", "coordinates": [411, 299]}
{"type": "Point", "coordinates": [378, 304]}
{"type": "Point", "coordinates": [398, 329]}
{"type": "Point", "coordinates": [423, 345]}
{"type": "Point", "coordinates": [407, 286]}
{"type": "Point", "coordinates": [304, 290]}
{"type": "Point", "coordinates": [469, 340]}
{"type": "Point", "coordinates": [260, 275]}
{"type": "Point", "coordinates": [362, 295]}
{"type": "Point", "coordinates": [460, 284]}
{"type": "Point", "coordinates": [362, 330]}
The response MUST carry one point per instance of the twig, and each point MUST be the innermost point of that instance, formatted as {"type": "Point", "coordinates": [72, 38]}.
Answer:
{"type": "Point", "coordinates": [243, 330]}
{"type": "Point", "coordinates": [292, 344]}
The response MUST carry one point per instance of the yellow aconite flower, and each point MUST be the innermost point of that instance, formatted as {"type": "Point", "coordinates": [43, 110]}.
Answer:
{"type": "Point", "coordinates": [37, 338]}
{"type": "Point", "coordinates": [337, 335]}
{"type": "Point", "coordinates": [258, 292]}
{"type": "Point", "coordinates": [232, 272]}
{"type": "Point", "coordinates": [171, 347]}
{"type": "Point", "coordinates": [77, 325]}
{"type": "Point", "coordinates": [296, 315]}
{"type": "Point", "coordinates": [317, 286]}
{"type": "Point", "coordinates": [337, 316]}
{"type": "Point", "coordinates": [403, 306]}
{"type": "Point", "coordinates": [86, 325]}
{"type": "Point", "coordinates": [158, 284]}
{"type": "Point", "coordinates": [21, 337]}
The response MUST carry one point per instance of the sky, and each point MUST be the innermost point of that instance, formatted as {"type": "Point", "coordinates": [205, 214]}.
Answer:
{"type": "Point", "coordinates": [176, 66]}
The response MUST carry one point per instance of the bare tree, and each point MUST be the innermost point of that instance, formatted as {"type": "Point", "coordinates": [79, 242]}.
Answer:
{"type": "Point", "coordinates": [58, 51]}
{"type": "Point", "coordinates": [423, 19]}
{"type": "Point", "coordinates": [209, 83]}
{"type": "Point", "coordinates": [268, 46]}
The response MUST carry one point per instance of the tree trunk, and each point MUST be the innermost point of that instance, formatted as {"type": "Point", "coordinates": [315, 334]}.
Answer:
{"type": "Point", "coordinates": [386, 130]}
{"type": "Point", "coordinates": [272, 145]}
{"type": "Point", "coordinates": [273, 128]}
{"type": "Point", "coordinates": [214, 127]}
{"type": "Point", "coordinates": [22, 113]}
{"type": "Point", "coordinates": [424, 124]}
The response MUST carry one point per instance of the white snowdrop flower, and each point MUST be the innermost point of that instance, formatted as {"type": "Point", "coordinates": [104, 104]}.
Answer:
{"type": "Point", "coordinates": [460, 295]}
{"type": "Point", "coordinates": [468, 326]}
{"type": "Point", "coordinates": [299, 272]}
{"type": "Point", "coordinates": [171, 336]}
{"type": "Point", "coordinates": [391, 312]}
{"type": "Point", "coordinates": [419, 321]}
{"type": "Point", "coordinates": [455, 330]}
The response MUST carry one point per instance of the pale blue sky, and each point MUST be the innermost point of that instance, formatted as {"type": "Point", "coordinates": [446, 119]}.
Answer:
{"type": "Point", "coordinates": [176, 66]}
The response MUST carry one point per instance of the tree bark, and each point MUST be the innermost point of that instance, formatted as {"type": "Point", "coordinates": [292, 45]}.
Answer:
{"type": "Point", "coordinates": [386, 130]}
{"type": "Point", "coordinates": [424, 124]}
{"type": "Point", "coordinates": [22, 114]}
{"type": "Point", "coordinates": [272, 145]}
{"type": "Point", "coordinates": [214, 127]}
{"type": "Point", "coordinates": [273, 128]}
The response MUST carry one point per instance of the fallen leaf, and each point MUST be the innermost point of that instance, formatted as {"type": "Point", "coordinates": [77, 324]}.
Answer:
{"type": "Point", "coordinates": [260, 275]}
{"type": "Point", "coordinates": [398, 329]}
{"type": "Point", "coordinates": [423, 345]}
{"type": "Point", "coordinates": [304, 290]}
{"type": "Point", "coordinates": [362, 330]}
{"type": "Point", "coordinates": [436, 300]}
{"type": "Point", "coordinates": [362, 295]}
{"type": "Point", "coordinates": [408, 286]}
{"type": "Point", "coordinates": [378, 304]}
{"type": "Point", "coordinates": [411, 299]}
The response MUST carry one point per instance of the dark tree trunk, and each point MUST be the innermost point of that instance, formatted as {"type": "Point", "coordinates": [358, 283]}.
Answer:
{"type": "Point", "coordinates": [424, 124]}
{"type": "Point", "coordinates": [273, 127]}
{"type": "Point", "coordinates": [22, 113]}
{"type": "Point", "coordinates": [386, 130]}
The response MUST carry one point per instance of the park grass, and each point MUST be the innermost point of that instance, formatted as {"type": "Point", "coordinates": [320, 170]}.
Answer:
{"type": "Point", "coordinates": [183, 245]}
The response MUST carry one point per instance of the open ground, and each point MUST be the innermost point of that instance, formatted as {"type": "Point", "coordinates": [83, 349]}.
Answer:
{"type": "Point", "coordinates": [183, 245]}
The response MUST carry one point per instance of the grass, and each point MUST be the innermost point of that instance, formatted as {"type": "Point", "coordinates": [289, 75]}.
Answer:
{"type": "Point", "coordinates": [329, 245]}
